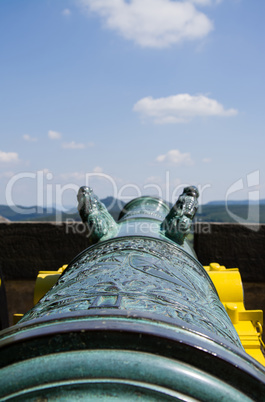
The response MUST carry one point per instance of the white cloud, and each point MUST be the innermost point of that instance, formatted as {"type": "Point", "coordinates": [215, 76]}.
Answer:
{"type": "Point", "coordinates": [46, 171]}
{"type": "Point", "coordinates": [152, 23]}
{"type": "Point", "coordinates": [201, 2]}
{"type": "Point", "coordinates": [180, 108]}
{"type": "Point", "coordinates": [154, 179]}
{"type": "Point", "coordinates": [7, 175]}
{"type": "Point", "coordinates": [97, 169]}
{"type": "Point", "coordinates": [205, 2]}
{"type": "Point", "coordinates": [8, 157]}
{"type": "Point", "coordinates": [66, 12]}
{"type": "Point", "coordinates": [28, 138]}
{"type": "Point", "coordinates": [54, 135]}
{"type": "Point", "coordinates": [175, 157]}
{"type": "Point", "coordinates": [207, 160]}
{"type": "Point", "coordinates": [73, 176]}
{"type": "Point", "coordinates": [73, 145]}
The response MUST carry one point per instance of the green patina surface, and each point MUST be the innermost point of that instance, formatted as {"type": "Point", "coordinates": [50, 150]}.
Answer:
{"type": "Point", "coordinates": [134, 317]}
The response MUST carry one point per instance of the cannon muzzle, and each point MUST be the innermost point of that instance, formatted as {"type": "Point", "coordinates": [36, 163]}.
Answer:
{"type": "Point", "coordinates": [135, 316]}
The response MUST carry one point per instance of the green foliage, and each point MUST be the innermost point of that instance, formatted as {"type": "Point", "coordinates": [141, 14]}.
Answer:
{"type": "Point", "coordinates": [219, 213]}
{"type": "Point", "coordinates": [212, 212]}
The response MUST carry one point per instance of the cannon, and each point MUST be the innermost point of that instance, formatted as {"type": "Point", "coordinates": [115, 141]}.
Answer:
{"type": "Point", "coordinates": [135, 316]}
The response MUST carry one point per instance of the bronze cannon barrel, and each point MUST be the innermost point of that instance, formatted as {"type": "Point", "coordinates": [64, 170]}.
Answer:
{"type": "Point", "coordinates": [135, 316]}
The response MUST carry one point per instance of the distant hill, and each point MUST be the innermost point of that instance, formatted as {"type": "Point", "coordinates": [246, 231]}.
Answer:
{"type": "Point", "coordinates": [219, 213]}
{"type": "Point", "coordinates": [237, 202]}
{"type": "Point", "coordinates": [2, 219]}
{"type": "Point", "coordinates": [21, 213]}
{"type": "Point", "coordinates": [214, 211]}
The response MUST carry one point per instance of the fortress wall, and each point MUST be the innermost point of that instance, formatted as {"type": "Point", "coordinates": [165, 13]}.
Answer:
{"type": "Point", "coordinates": [232, 245]}
{"type": "Point", "coordinates": [27, 248]}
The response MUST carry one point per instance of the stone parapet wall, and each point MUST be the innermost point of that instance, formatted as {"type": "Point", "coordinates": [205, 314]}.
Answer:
{"type": "Point", "coordinates": [27, 248]}
{"type": "Point", "coordinates": [232, 245]}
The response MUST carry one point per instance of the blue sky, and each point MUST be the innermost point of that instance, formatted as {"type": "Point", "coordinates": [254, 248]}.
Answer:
{"type": "Point", "coordinates": [131, 97]}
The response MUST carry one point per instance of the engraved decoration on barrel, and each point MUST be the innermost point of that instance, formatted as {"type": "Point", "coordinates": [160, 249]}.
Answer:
{"type": "Point", "coordinates": [137, 274]}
